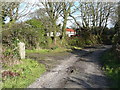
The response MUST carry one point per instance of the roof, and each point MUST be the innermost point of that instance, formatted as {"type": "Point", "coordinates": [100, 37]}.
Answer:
{"type": "Point", "coordinates": [70, 30]}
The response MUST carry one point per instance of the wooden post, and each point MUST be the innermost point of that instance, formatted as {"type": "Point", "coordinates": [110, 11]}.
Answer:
{"type": "Point", "coordinates": [21, 46]}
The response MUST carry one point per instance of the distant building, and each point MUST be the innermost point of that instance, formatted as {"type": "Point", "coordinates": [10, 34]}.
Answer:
{"type": "Point", "coordinates": [69, 33]}
{"type": "Point", "coordinates": [51, 34]}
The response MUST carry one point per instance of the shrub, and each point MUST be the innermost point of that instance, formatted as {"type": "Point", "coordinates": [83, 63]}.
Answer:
{"type": "Point", "coordinates": [31, 33]}
{"type": "Point", "coordinates": [81, 41]}
{"type": "Point", "coordinates": [40, 32]}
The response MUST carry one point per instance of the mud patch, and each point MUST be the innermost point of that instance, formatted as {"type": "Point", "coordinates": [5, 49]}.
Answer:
{"type": "Point", "coordinates": [50, 60]}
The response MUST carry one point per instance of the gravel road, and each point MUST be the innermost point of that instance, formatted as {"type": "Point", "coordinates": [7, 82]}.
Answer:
{"type": "Point", "coordinates": [81, 70]}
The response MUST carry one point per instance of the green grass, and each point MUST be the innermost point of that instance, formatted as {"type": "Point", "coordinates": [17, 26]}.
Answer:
{"type": "Point", "coordinates": [44, 51]}
{"type": "Point", "coordinates": [111, 66]}
{"type": "Point", "coordinates": [29, 70]}
{"type": "Point", "coordinates": [60, 50]}
{"type": "Point", "coordinates": [38, 51]}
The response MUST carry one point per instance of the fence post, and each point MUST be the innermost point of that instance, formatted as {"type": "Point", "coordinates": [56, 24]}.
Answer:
{"type": "Point", "coordinates": [21, 46]}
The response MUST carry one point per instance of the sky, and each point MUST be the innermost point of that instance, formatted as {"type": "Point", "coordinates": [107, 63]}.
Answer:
{"type": "Point", "coordinates": [22, 6]}
{"type": "Point", "coordinates": [31, 8]}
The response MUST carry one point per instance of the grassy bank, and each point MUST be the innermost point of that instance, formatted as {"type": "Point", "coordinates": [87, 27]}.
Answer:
{"type": "Point", "coordinates": [22, 74]}
{"type": "Point", "coordinates": [111, 66]}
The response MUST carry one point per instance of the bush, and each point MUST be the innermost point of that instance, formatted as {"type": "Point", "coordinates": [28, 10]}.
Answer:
{"type": "Point", "coordinates": [75, 41]}
{"type": "Point", "coordinates": [81, 41]}
{"type": "Point", "coordinates": [31, 33]}
{"type": "Point", "coordinates": [40, 32]}
{"type": "Point", "coordinates": [107, 36]}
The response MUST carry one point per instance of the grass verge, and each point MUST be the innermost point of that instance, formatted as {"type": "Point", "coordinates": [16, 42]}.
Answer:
{"type": "Point", "coordinates": [38, 51]}
{"type": "Point", "coordinates": [44, 51]}
{"type": "Point", "coordinates": [111, 66]}
{"type": "Point", "coordinates": [28, 71]}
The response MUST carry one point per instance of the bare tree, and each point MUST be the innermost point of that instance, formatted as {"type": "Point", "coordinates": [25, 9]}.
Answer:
{"type": "Point", "coordinates": [52, 12]}
{"type": "Point", "coordinates": [66, 12]}
{"type": "Point", "coordinates": [9, 10]}
{"type": "Point", "coordinates": [14, 12]}
{"type": "Point", "coordinates": [94, 14]}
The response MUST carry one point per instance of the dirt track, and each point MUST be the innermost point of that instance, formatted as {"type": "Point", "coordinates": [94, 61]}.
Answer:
{"type": "Point", "coordinates": [80, 70]}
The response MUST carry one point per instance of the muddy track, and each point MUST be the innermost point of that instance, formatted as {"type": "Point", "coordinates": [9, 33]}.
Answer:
{"type": "Point", "coordinates": [80, 70]}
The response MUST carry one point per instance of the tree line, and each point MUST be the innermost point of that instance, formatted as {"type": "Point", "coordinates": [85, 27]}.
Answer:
{"type": "Point", "coordinates": [89, 19]}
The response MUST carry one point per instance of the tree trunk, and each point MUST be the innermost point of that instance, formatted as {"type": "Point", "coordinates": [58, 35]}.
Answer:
{"type": "Point", "coordinates": [55, 38]}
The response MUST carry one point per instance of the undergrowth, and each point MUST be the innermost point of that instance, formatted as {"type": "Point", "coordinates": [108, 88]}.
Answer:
{"type": "Point", "coordinates": [111, 66]}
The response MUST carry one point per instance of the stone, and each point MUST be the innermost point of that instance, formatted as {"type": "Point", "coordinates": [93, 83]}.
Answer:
{"type": "Point", "coordinates": [21, 46]}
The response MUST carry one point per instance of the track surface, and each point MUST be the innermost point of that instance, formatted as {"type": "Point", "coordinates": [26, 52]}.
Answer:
{"type": "Point", "coordinates": [81, 70]}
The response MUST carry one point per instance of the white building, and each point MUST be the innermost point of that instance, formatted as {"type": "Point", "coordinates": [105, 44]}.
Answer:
{"type": "Point", "coordinates": [69, 33]}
